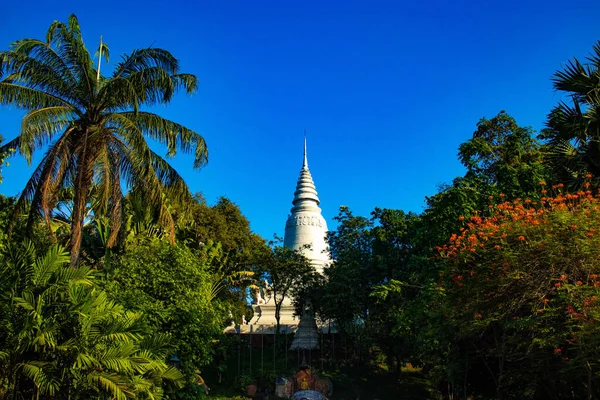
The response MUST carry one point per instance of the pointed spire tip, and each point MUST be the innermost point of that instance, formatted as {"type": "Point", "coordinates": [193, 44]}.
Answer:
{"type": "Point", "coordinates": [305, 162]}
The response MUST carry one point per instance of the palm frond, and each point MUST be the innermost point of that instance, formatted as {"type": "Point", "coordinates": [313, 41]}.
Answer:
{"type": "Point", "coordinates": [142, 59]}
{"type": "Point", "coordinates": [49, 175]}
{"type": "Point", "coordinates": [12, 94]}
{"type": "Point", "coordinates": [41, 51]}
{"type": "Point", "coordinates": [169, 133]}
{"type": "Point", "coordinates": [112, 383]}
{"type": "Point", "coordinates": [69, 45]}
{"type": "Point", "coordinates": [27, 66]}
{"type": "Point", "coordinates": [36, 371]}
{"type": "Point", "coordinates": [46, 266]}
{"type": "Point", "coordinates": [574, 78]}
{"type": "Point", "coordinates": [38, 128]}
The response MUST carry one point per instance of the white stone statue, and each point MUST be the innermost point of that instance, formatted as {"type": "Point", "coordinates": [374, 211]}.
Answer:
{"type": "Point", "coordinates": [259, 298]}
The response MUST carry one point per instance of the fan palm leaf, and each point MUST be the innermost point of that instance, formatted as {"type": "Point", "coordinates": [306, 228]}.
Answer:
{"type": "Point", "coordinates": [576, 122]}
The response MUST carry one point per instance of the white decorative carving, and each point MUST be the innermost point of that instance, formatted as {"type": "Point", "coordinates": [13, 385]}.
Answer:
{"type": "Point", "coordinates": [306, 220]}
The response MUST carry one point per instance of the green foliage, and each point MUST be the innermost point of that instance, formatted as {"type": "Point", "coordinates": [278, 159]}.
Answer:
{"type": "Point", "coordinates": [224, 223]}
{"type": "Point", "coordinates": [383, 288]}
{"type": "Point", "coordinates": [504, 157]}
{"type": "Point", "coordinates": [61, 337]}
{"type": "Point", "coordinates": [371, 263]}
{"type": "Point", "coordinates": [172, 286]}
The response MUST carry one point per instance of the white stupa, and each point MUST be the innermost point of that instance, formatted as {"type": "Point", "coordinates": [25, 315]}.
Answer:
{"type": "Point", "coordinates": [305, 230]}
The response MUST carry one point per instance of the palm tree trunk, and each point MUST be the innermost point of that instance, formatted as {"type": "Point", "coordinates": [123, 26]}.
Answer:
{"type": "Point", "coordinates": [82, 185]}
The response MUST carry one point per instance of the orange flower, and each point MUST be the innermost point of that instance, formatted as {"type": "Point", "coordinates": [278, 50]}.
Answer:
{"type": "Point", "coordinates": [502, 195]}
{"type": "Point", "coordinates": [461, 218]}
{"type": "Point", "coordinates": [563, 278]}
{"type": "Point", "coordinates": [579, 283]}
{"type": "Point", "coordinates": [588, 176]}
{"type": "Point", "coordinates": [496, 246]}
{"type": "Point", "coordinates": [478, 316]}
{"type": "Point", "coordinates": [542, 183]}
{"type": "Point", "coordinates": [557, 285]}
{"type": "Point", "coordinates": [557, 351]}
{"type": "Point", "coordinates": [546, 301]}
{"type": "Point", "coordinates": [521, 238]}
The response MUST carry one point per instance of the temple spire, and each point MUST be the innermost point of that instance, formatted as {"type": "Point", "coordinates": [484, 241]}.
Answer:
{"type": "Point", "coordinates": [305, 196]}
{"type": "Point", "coordinates": [305, 162]}
{"type": "Point", "coordinates": [305, 225]}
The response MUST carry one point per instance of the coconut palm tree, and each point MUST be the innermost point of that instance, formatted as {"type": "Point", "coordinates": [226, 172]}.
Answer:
{"type": "Point", "coordinates": [573, 127]}
{"type": "Point", "coordinates": [94, 127]}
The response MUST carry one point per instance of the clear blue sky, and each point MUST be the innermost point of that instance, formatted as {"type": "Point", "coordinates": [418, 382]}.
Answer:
{"type": "Point", "coordinates": [385, 90]}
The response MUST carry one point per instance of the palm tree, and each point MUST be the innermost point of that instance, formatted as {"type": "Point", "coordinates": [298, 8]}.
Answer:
{"type": "Point", "coordinates": [95, 127]}
{"type": "Point", "coordinates": [573, 127]}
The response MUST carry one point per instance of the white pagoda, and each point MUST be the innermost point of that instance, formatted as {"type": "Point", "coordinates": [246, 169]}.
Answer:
{"type": "Point", "coordinates": [305, 230]}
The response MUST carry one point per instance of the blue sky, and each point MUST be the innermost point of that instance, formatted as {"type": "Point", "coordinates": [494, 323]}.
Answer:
{"type": "Point", "coordinates": [386, 90]}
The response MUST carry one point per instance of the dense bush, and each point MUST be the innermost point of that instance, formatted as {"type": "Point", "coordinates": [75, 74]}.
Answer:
{"type": "Point", "coordinates": [61, 336]}
{"type": "Point", "coordinates": [522, 289]}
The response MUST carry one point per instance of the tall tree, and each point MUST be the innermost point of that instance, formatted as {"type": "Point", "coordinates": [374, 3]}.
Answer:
{"type": "Point", "coordinates": [224, 223]}
{"type": "Point", "coordinates": [502, 158]}
{"type": "Point", "coordinates": [289, 272]}
{"type": "Point", "coordinates": [95, 126]}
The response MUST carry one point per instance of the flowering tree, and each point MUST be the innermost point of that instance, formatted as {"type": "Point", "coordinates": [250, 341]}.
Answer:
{"type": "Point", "coordinates": [522, 289]}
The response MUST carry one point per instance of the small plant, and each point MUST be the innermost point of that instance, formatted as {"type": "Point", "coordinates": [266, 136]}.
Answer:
{"type": "Point", "coordinates": [244, 380]}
